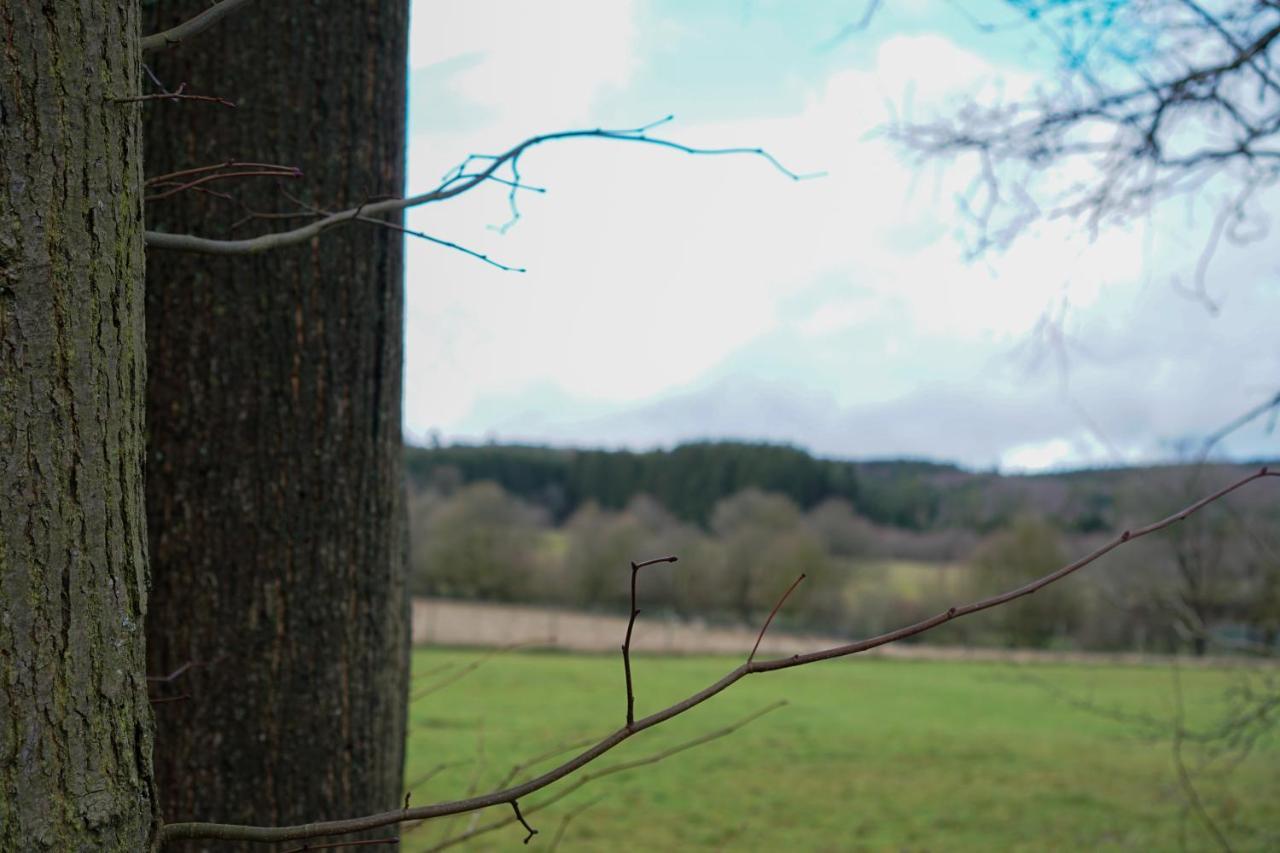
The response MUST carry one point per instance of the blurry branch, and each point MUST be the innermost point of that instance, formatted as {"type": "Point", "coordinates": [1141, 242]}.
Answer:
{"type": "Point", "coordinates": [232, 832]}
{"type": "Point", "coordinates": [1189, 791]}
{"type": "Point", "coordinates": [455, 183]}
{"type": "Point", "coordinates": [1155, 99]}
{"type": "Point", "coordinates": [183, 670]}
{"type": "Point", "coordinates": [589, 777]}
{"type": "Point", "coordinates": [189, 179]}
{"type": "Point", "coordinates": [1272, 405]}
{"type": "Point", "coordinates": [1254, 706]}
{"type": "Point", "coordinates": [467, 670]}
{"type": "Point", "coordinates": [566, 820]}
{"type": "Point", "coordinates": [190, 27]}
{"type": "Point", "coordinates": [853, 27]}
{"type": "Point", "coordinates": [428, 776]}
{"type": "Point", "coordinates": [515, 770]}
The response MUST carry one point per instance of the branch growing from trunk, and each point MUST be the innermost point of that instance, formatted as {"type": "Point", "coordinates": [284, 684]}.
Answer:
{"type": "Point", "coordinates": [193, 26]}
{"type": "Point", "coordinates": [456, 183]}
{"type": "Point", "coordinates": [267, 834]}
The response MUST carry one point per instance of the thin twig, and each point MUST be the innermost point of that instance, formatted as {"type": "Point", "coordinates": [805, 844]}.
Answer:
{"type": "Point", "coordinates": [515, 805]}
{"type": "Point", "coordinates": [234, 832]}
{"type": "Point", "coordinates": [178, 94]}
{"type": "Point", "coordinates": [177, 673]}
{"type": "Point", "coordinates": [448, 244]}
{"type": "Point", "coordinates": [774, 612]}
{"type": "Point", "coordinates": [213, 167]}
{"type": "Point", "coordinates": [281, 172]}
{"type": "Point", "coordinates": [631, 624]}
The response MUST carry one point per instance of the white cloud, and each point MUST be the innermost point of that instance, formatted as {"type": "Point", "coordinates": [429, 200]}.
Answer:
{"type": "Point", "coordinates": [653, 273]}
{"type": "Point", "coordinates": [544, 63]}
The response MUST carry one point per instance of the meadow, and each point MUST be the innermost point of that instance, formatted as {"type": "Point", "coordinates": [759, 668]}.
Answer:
{"type": "Point", "coordinates": [869, 754]}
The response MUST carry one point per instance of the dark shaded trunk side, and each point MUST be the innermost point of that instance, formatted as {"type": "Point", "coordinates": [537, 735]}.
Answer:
{"type": "Point", "coordinates": [75, 725]}
{"type": "Point", "coordinates": [274, 478]}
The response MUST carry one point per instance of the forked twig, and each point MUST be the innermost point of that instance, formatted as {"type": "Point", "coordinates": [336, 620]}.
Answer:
{"type": "Point", "coordinates": [457, 182]}
{"type": "Point", "coordinates": [515, 805]}
{"type": "Point", "coordinates": [631, 624]}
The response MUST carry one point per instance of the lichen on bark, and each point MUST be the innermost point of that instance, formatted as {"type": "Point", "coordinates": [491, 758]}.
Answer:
{"type": "Point", "coordinates": [75, 730]}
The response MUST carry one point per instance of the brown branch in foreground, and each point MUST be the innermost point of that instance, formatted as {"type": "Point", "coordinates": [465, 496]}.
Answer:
{"type": "Point", "coordinates": [772, 613]}
{"type": "Point", "coordinates": [631, 624]}
{"type": "Point", "coordinates": [191, 27]}
{"type": "Point", "coordinates": [234, 832]}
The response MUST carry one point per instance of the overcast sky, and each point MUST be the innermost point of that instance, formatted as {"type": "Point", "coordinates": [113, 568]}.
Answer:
{"type": "Point", "coordinates": [671, 297]}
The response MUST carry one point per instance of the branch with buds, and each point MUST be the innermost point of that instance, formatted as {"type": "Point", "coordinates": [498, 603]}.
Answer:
{"type": "Point", "coordinates": [511, 794]}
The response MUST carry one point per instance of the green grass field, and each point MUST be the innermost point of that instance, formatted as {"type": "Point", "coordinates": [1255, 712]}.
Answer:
{"type": "Point", "coordinates": [867, 755]}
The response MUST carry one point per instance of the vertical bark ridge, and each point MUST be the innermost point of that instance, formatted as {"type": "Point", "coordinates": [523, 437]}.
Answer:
{"type": "Point", "coordinates": [75, 738]}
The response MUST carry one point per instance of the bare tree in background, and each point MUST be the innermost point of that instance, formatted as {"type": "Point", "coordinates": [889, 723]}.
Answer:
{"type": "Point", "coordinates": [1155, 99]}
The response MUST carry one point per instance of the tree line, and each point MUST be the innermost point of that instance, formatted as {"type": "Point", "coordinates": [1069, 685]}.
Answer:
{"type": "Point", "coordinates": [690, 479]}
{"type": "Point", "coordinates": [1217, 576]}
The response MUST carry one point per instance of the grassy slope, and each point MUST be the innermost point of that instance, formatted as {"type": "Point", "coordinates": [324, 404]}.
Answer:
{"type": "Point", "coordinates": [870, 754]}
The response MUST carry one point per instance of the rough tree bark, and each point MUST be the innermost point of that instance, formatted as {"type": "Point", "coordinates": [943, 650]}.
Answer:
{"type": "Point", "coordinates": [75, 725]}
{"type": "Point", "coordinates": [274, 467]}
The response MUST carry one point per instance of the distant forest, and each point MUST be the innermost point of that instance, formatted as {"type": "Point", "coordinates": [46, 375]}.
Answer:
{"type": "Point", "coordinates": [881, 543]}
{"type": "Point", "coordinates": [691, 479]}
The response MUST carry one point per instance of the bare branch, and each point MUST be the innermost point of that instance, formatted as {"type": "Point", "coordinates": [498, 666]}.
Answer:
{"type": "Point", "coordinates": [453, 185]}
{"type": "Point", "coordinates": [259, 171]}
{"type": "Point", "coordinates": [191, 27]}
{"type": "Point", "coordinates": [180, 94]}
{"type": "Point", "coordinates": [774, 612]}
{"type": "Point", "coordinates": [631, 623]}
{"type": "Point", "coordinates": [234, 832]}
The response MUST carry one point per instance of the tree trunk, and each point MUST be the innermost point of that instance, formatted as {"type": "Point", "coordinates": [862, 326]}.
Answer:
{"type": "Point", "coordinates": [75, 724]}
{"type": "Point", "coordinates": [274, 469]}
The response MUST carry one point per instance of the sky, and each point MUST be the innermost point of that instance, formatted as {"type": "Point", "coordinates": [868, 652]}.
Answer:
{"type": "Point", "coordinates": [671, 297]}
